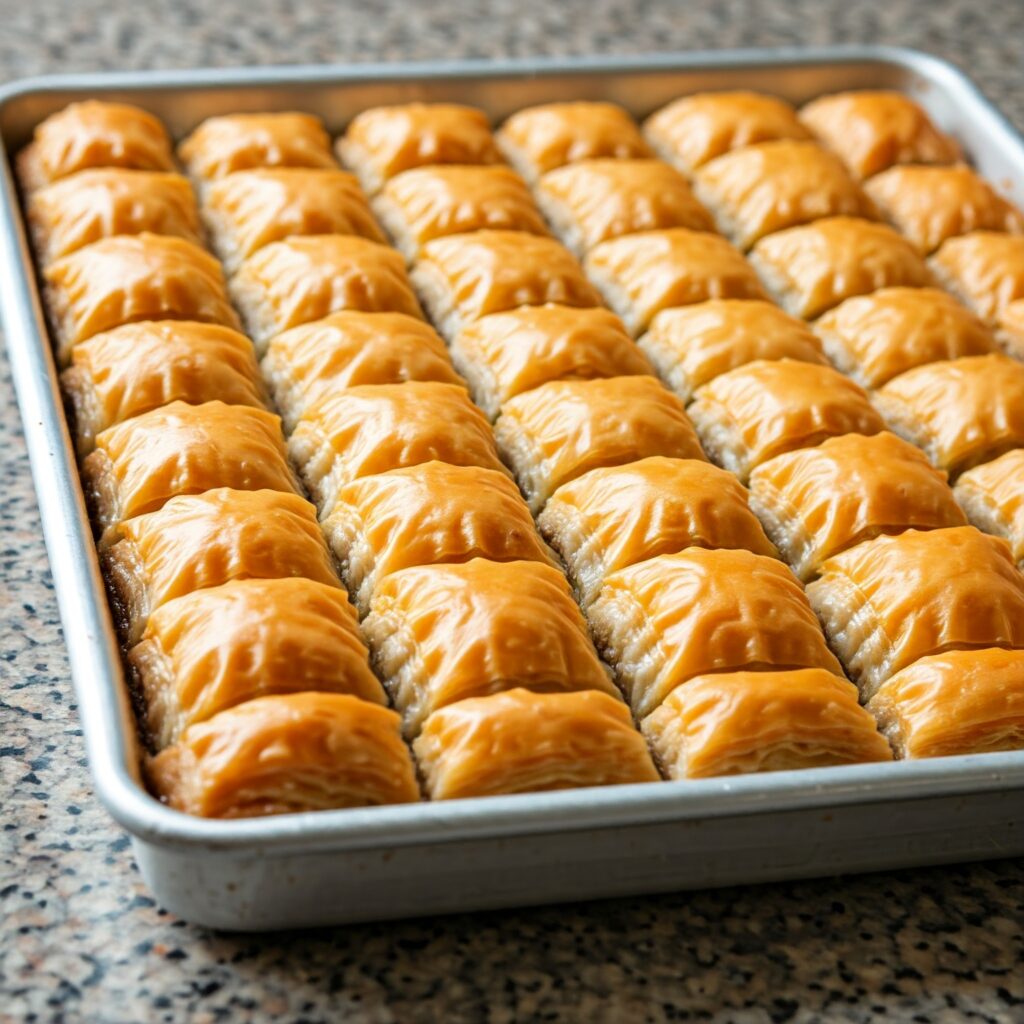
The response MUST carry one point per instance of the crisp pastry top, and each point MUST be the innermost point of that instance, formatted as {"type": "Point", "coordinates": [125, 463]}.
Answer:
{"type": "Point", "coordinates": [695, 129]}
{"type": "Point", "coordinates": [1010, 328]}
{"type": "Point", "coordinates": [541, 138]}
{"type": "Point", "coordinates": [95, 204]}
{"type": "Point", "coordinates": [985, 269]}
{"type": "Point", "coordinates": [961, 411]}
{"type": "Point", "coordinates": [993, 495]}
{"type": "Point", "coordinates": [251, 209]}
{"type": "Point", "coordinates": [872, 130]}
{"type": "Point", "coordinates": [764, 188]}
{"type": "Point", "coordinates": [93, 133]}
{"type": "Point", "coordinates": [244, 142]}
{"type": "Point", "coordinates": [931, 204]}
{"type": "Point", "coordinates": [959, 702]}
{"type": "Point", "coordinates": [646, 273]}
{"type": "Point", "coordinates": [848, 489]}
{"type": "Point", "coordinates": [694, 344]}
{"type": "Point", "coordinates": [596, 200]}
{"type": "Point", "coordinates": [815, 266]}
{"type": "Point", "coordinates": [875, 337]}
{"type": "Point", "coordinates": [287, 753]}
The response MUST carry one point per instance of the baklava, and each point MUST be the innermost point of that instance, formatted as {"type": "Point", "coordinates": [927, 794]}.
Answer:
{"type": "Point", "coordinates": [992, 495]}
{"type": "Point", "coordinates": [984, 269]}
{"type": "Point", "coordinates": [1010, 329]}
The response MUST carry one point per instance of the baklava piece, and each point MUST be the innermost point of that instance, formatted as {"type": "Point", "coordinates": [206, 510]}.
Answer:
{"type": "Point", "coordinates": [812, 268]}
{"type": "Point", "coordinates": [674, 617]}
{"type": "Point", "coordinates": [640, 275]}
{"type": "Point", "coordinates": [1010, 329]}
{"type": "Point", "coordinates": [287, 754]}
{"type": "Point", "coordinates": [524, 742]}
{"type": "Point", "coordinates": [892, 600]}
{"type": "Point", "coordinates": [758, 411]}
{"type": "Point", "coordinates": [559, 431]}
{"type": "Point", "coordinates": [984, 269]}
{"type": "Point", "coordinates": [610, 519]}
{"type": "Point", "coordinates": [820, 501]}
{"type": "Point", "coordinates": [992, 495]}
{"type": "Point", "coordinates": [444, 633]}
{"type": "Point", "coordinates": [734, 723]}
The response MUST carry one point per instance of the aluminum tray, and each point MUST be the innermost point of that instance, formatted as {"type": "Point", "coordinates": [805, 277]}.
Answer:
{"type": "Point", "coordinates": [339, 866]}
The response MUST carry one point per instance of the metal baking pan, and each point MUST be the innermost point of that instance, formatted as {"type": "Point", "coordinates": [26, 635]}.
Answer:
{"type": "Point", "coordinates": [349, 865]}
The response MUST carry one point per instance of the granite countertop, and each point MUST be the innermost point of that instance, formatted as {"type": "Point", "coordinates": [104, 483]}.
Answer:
{"type": "Point", "coordinates": [80, 937]}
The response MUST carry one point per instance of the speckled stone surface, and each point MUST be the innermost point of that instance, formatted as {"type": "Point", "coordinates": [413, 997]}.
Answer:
{"type": "Point", "coordinates": [80, 938]}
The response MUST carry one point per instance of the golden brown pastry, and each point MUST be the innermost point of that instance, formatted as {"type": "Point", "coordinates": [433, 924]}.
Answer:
{"type": "Point", "coordinates": [695, 129]}
{"type": "Point", "coordinates": [984, 269]}
{"type": "Point", "coordinates": [596, 200]}
{"type": "Point", "coordinates": [609, 519]}
{"type": "Point", "coordinates": [891, 600]}
{"type": "Point", "coordinates": [505, 354]}
{"type": "Point", "coordinates": [962, 412]}
{"type": "Point", "coordinates": [872, 130]}
{"type": "Point", "coordinates": [640, 275]}
{"type": "Point", "coordinates": [751, 414]}
{"type": "Point", "coordinates": [443, 633]}
{"type": "Point", "coordinates": [218, 648]}
{"type": "Point", "coordinates": [428, 514]}
{"type": "Point", "coordinates": [761, 189]}
{"type": "Point", "coordinates": [127, 278]}
{"type": "Point", "coordinates": [733, 723]}
{"type": "Point", "coordinates": [464, 277]}
{"type": "Point", "coordinates": [875, 337]}
{"type": "Point", "coordinates": [1010, 329]}
{"type": "Point", "coordinates": [139, 367]}
{"type": "Point", "coordinates": [674, 617]}
{"type": "Point", "coordinates": [286, 754]}
{"type": "Point", "coordinates": [694, 344]}
{"type": "Point", "coordinates": [90, 134]}
{"type": "Point", "coordinates": [960, 702]}
{"type": "Point", "coordinates": [819, 501]}
{"type": "Point", "coordinates": [557, 432]}
{"type": "Point", "coordinates": [992, 495]}
{"type": "Point", "coordinates": [523, 742]}
{"type": "Point", "coordinates": [812, 268]}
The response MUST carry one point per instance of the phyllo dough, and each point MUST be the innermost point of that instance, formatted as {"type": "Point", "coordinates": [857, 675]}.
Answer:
{"type": "Point", "coordinates": [872, 130]}
{"type": "Point", "coordinates": [960, 702]}
{"type": "Point", "coordinates": [674, 617]}
{"type": "Point", "coordinates": [557, 432]}
{"type": "Point", "coordinates": [695, 129]}
{"type": "Point", "coordinates": [931, 204]}
{"type": "Point", "coordinates": [962, 412]}
{"type": "Point", "coordinates": [285, 754]}
{"type": "Point", "coordinates": [770, 186]}
{"type": "Point", "coordinates": [250, 209]}
{"type": "Point", "coordinates": [984, 269]}
{"type": "Point", "coordinates": [127, 278]}
{"type": "Point", "coordinates": [812, 268]}
{"type": "Point", "coordinates": [817, 502]}
{"type": "Point", "coordinates": [597, 200]}
{"type": "Point", "coordinates": [376, 427]}
{"type": "Point", "coordinates": [426, 515]}
{"type": "Point", "coordinates": [300, 280]}
{"type": "Point", "coordinates": [434, 202]}
{"type": "Point", "coordinates": [609, 519]}
{"type": "Point", "coordinates": [205, 540]}
{"type": "Point", "coordinates": [758, 411]}
{"type": "Point", "coordinates": [1010, 329]}
{"type": "Point", "coordinates": [384, 141]}
{"type": "Point", "coordinates": [505, 354]}
{"type": "Point", "coordinates": [77, 211]}
{"type": "Point", "coordinates": [139, 367]}
{"type": "Point", "coordinates": [875, 337]}
{"type": "Point", "coordinates": [523, 742]}
{"type": "Point", "coordinates": [734, 723]}
{"type": "Point", "coordinates": [640, 275]}
{"type": "Point", "coordinates": [91, 134]}
{"type": "Point", "coordinates": [889, 601]}
{"type": "Point", "coordinates": [217, 648]}
{"type": "Point", "coordinates": [461, 278]}
{"type": "Point", "coordinates": [694, 344]}
{"type": "Point", "coordinates": [539, 139]}
{"type": "Point", "coordinates": [992, 495]}
{"type": "Point", "coordinates": [346, 349]}
{"type": "Point", "coordinates": [443, 633]}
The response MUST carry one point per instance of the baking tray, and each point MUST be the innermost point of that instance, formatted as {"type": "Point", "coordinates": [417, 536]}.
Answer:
{"type": "Point", "coordinates": [349, 865]}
